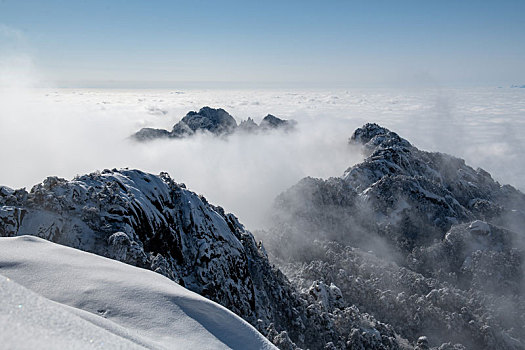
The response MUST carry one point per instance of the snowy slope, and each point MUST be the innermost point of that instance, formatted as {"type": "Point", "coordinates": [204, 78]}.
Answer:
{"type": "Point", "coordinates": [30, 321]}
{"type": "Point", "coordinates": [98, 302]}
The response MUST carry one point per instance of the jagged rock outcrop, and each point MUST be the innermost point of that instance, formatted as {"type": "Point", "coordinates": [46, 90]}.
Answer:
{"type": "Point", "coordinates": [152, 222]}
{"type": "Point", "coordinates": [215, 121]}
{"type": "Point", "coordinates": [419, 240]}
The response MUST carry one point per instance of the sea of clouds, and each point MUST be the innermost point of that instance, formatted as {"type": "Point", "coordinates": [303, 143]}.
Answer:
{"type": "Point", "coordinates": [66, 132]}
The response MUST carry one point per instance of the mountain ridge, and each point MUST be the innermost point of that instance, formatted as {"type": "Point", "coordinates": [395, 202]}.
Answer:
{"type": "Point", "coordinates": [217, 122]}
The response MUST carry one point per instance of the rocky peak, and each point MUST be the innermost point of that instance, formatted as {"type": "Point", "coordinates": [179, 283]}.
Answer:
{"type": "Point", "coordinates": [400, 192]}
{"type": "Point", "coordinates": [374, 137]}
{"type": "Point", "coordinates": [418, 239]}
{"type": "Point", "coordinates": [216, 121]}
{"type": "Point", "coordinates": [248, 125]}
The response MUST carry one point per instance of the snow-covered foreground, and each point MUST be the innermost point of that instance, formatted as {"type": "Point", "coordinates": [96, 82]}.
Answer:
{"type": "Point", "coordinates": [59, 297]}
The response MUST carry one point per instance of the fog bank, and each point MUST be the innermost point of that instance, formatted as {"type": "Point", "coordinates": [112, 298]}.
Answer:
{"type": "Point", "coordinates": [67, 132]}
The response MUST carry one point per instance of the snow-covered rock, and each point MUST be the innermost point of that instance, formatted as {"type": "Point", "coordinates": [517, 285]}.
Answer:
{"type": "Point", "coordinates": [398, 194]}
{"type": "Point", "coordinates": [144, 220]}
{"type": "Point", "coordinates": [216, 121]}
{"type": "Point", "coordinates": [420, 240]}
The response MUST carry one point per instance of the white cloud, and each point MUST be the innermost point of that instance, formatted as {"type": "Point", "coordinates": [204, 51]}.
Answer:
{"type": "Point", "coordinates": [69, 132]}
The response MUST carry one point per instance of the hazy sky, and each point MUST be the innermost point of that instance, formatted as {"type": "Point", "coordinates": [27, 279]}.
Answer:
{"type": "Point", "coordinates": [303, 43]}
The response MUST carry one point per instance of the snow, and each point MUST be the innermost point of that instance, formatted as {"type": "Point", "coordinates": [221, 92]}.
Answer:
{"type": "Point", "coordinates": [59, 297]}
{"type": "Point", "coordinates": [479, 227]}
{"type": "Point", "coordinates": [50, 325]}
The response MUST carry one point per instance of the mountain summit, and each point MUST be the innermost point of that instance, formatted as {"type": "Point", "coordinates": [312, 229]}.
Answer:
{"type": "Point", "coordinates": [418, 239]}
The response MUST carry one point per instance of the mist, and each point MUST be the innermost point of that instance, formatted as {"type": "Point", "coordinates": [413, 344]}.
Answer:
{"type": "Point", "coordinates": [67, 132]}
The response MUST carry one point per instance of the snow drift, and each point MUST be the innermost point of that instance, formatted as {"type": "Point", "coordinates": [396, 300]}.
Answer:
{"type": "Point", "coordinates": [80, 300]}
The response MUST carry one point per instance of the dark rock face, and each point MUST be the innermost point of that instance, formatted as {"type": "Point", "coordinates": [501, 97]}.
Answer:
{"type": "Point", "coordinates": [145, 134]}
{"type": "Point", "coordinates": [152, 222]}
{"type": "Point", "coordinates": [272, 122]}
{"type": "Point", "coordinates": [215, 121]}
{"type": "Point", "coordinates": [443, 240]}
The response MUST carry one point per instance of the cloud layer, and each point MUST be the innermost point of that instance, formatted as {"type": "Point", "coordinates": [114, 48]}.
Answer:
{"type": "Point", "coordinates": [67, 132]}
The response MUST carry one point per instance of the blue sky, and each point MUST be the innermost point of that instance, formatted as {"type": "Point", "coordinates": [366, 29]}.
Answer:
{"type": "Point", "coordinates": [300, 43]}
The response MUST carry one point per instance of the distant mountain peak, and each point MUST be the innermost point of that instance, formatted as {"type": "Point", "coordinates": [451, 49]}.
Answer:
{"type": "Point", "coordinates": [374, 137]}
{"type": "Point", "coordinates": [215, 121]}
